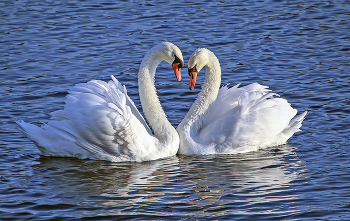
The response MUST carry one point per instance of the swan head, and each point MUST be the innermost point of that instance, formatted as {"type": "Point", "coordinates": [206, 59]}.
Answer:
{"type": "Point", "coordinates": [197, 61]}
{"type": "Point", "coordinates": [172, 54]}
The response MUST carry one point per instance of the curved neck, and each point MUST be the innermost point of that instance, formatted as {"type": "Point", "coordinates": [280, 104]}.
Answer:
{"type": "Point", "coordinates": [149, 100]}
{"type": "Point", "coordinates": [197, 114]}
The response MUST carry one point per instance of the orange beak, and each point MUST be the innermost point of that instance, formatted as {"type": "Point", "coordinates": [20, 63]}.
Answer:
{"type": "Point", "coordinates": [177, 70]}
{"type": "Point", "coordinates": [193, 79]}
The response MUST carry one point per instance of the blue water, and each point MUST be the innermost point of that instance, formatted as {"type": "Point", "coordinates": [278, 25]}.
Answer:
{"type": "Point", "coordinates": [300, 49]}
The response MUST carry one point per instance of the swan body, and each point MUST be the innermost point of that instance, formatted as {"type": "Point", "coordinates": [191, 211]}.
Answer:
{"type": "Point", "coordinates": [233, 120]}
{"type": "Point", "coordinates": [100, 121]}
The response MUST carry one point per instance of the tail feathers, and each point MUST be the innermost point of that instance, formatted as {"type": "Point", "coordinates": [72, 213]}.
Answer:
{"type": "Point", "coordinates": [296, 122]}
{"type": "Point", "coordinates": [51, 143]}
{"type": "Point", "coordinates": [26, 127]}
{"type": "Point", "coordinates": [293, 127]}
{"type": "Point", "coordinates": [36, 133]}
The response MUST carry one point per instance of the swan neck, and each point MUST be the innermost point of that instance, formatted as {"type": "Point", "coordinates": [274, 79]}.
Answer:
{"type": "Point", "coordinates": [197, 114]}
{"type": "Point", "coordinates": [151, 106]}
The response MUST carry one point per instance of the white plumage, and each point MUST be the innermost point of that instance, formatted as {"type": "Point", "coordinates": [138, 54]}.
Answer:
{"type": "Point", "coordinates": [100, 121]}
{"type": "Point", "coordinates": [233, 120]}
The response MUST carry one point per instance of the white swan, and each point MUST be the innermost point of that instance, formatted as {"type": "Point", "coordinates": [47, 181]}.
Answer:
{"type": "Point", "coordinates": [233, 120]}
{"type": "Point", "coordinates": [100, 121]}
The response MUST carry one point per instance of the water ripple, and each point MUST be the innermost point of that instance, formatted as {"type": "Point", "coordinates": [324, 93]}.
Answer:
{"type": "Point", "coordinates": [299, 49]}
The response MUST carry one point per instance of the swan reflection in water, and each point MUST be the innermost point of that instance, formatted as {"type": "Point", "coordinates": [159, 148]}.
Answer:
{"type": "Point", "coordinates": [230, 183]}
{"type": "Point", "coordinates": [102, 183]}
{"type": "Point", "coordinates": [254, 182]}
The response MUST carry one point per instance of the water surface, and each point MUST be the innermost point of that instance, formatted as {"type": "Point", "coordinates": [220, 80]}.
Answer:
{"type": "Point", "coordinates": [299, 49]}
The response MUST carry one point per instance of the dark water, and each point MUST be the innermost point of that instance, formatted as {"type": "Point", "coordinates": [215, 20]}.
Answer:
{"type": "Point", "coordinates": [301, 49]}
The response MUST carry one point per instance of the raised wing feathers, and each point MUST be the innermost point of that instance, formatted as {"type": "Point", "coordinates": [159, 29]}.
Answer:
{"type": "Point", "coordinates": [248, 116]}
{"type": "Point", "coordinates": [101, 118]}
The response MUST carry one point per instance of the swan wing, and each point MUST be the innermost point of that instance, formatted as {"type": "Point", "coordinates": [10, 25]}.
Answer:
{"type": "Point", "coordinates": [249, 116]}
{"type": "Point", "coordinates": [132, 105]}
{"type": "Point", "coordinates": [100, 118]}
{"type": "Point", "coordinates": [119, 89]}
